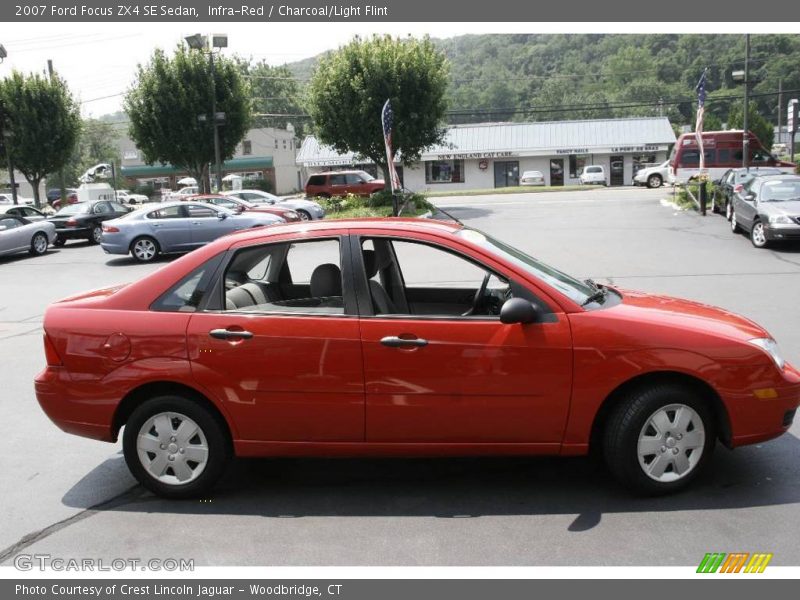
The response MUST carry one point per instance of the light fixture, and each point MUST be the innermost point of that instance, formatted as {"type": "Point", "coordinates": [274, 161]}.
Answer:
{"type": "Point", "coordinates": [197, 41]}
{"type": "Point", "coordinates": [219, 40]}
{"type": "Point", "coordinates": [3, 52]}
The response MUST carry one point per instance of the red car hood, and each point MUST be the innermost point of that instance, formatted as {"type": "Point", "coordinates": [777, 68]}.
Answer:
{"type": "Point", "coordinates": [687, 314]}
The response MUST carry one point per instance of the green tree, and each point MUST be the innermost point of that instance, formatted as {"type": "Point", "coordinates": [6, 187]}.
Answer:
{"type": "Point", "coordinates": [756, 123]}
{"type": "Point", "coordinates": [277, 97]}
{"type": "Point", "coordinates": [97, 143]}
{"type": "Point", "coordinates": [167, 98]}
{"type": "Point", "coordinates": [350, 86]}
{"type": "Point", "coordinates": [44, 120]}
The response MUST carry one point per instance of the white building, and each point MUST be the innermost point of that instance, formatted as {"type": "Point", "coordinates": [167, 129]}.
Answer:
{"type": "Point", "coordinates": [265, 153]}
{"type": "Point", "coordinates": [490, 155]}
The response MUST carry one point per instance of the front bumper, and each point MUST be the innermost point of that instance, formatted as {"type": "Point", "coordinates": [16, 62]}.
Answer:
{"type": "Point", "coordinates": [780, 233]}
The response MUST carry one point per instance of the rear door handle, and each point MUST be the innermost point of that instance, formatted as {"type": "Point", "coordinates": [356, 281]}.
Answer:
{"type": "Point", "coordinates": [227, 334]}
{"type": "Point", "coordinates": [393, 341]}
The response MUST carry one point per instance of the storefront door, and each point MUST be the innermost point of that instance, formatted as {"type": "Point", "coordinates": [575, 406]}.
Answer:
{"type": "Point", "coordinates": [506, 174]}
{"type": "Point", "coordinates": [556, 171]}
{"type": "Point", "coordinates": [617, 171]}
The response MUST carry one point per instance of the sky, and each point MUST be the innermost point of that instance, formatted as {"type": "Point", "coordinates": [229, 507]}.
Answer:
{"type": "Point", "coordinates": [98, 60]}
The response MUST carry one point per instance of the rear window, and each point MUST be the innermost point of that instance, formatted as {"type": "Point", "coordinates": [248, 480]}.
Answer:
{"type": "Point", "coordinates": [188, 293]}
{"type": "Point", "coordinates": [316, 180]}
{"type": "Point", "coordinates": [74, 209]}
{"type": "Point", "coordinates": [594, 170]}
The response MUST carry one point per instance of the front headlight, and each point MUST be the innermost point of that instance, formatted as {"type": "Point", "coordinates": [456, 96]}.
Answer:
{"type": "Point", "coordinates": [770, 346]}
{"type": "Point", "coordinates": [780, 220]}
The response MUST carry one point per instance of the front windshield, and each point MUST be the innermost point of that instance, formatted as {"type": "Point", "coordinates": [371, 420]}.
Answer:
{"type": "Point", "coordinates": [575, 290]}
{"type": "Point", "coordinates": [366, 176]}
{"type": "Point", "coordinates": [781, 191]}
{"type": "Point", "coordinates": [73, 209]}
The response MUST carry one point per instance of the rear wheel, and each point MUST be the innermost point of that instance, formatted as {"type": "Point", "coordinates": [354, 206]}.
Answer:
{"type": "Point", "coordinates": [59, 241]}
{"type": "Point", "coordinates": [97, 234]}
{"type": "Point", "coordinates": [175, 447]}
{"type": "Point", "coordinates": [728, 210]}
{"type": "Point", "coordinates": [734, 225]}
{"type": "Point", "coordinates": [39, 244]}
{"type": "Point", "coordinates": [659, 438]}
{"type": "Point", "coordinates": [144, 249]}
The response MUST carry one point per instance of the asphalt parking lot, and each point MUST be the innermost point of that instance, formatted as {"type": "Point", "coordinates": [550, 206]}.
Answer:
{"type": "Point", "coordinates": [71, 497]}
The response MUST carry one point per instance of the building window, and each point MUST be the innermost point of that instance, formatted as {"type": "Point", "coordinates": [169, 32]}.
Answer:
{"type": "Point", "coordinates": [444, 171]}
{"type": "Point", "coordinates": [247, 147]}
{"type": "Point", "coordinates": [576, 164]}
{"type": "Point", "coordinates": [284, 144]}
{"type": "Point", "coordinates": [276, 143]}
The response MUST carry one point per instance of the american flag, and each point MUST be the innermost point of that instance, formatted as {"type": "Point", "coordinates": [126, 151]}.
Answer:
{"type": "Point", "coordinates": [387, 118]}
{"type": "Point", "coordinates": [698, 126]}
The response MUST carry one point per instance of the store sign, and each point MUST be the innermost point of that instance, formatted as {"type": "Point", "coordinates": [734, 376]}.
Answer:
{"type": "Point", "coordinates": [475, 155]}
{"type": "Point", "coordinates": [329, 162]}
{"type": "Point", "coordinates": [646, 148]}
{"type": "Point", "coordinates": [572, 151]}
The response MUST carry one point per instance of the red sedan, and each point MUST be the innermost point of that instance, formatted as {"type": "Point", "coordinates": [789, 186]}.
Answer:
{"type": "Point", "coordinates": [399, 337]}
{"type": "Point", "coordinates": [287, 214]}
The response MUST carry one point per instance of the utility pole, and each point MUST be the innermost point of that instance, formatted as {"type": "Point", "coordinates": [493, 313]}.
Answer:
{"type": "Point", "coordinates": [780, 108]}
{"type": "Point", "coordinates": [746, 133]}
{"type": "Point", "coordinates": [62, 186]}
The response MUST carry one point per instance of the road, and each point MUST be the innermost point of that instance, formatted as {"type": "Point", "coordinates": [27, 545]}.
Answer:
{"type": "Point", "coordinates": [71, 497]}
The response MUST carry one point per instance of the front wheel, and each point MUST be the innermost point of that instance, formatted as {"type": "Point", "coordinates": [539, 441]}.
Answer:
{"type": "Point", "coordinates": [304, 215]}
{"type": "Point", "coordinates": [659, 438]}
{"type": "Point", "coordinates": [144, 249]}
{"type": "Point", "coordinates": [175, 447]}
{"type": "Point", "coordinates": [758, 236]}
{"type": "Point", "coordinates": [39, 244]}
{"type": "Point", "coordinates": [654, 181]}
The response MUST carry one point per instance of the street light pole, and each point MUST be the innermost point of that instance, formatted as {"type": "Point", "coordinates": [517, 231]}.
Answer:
{"type": "Point", "coordinates": [214, 119]}
{"type": "Point", "coordinates": [745, 123]}
{"type": "Point", "coordinates": [5, 133]}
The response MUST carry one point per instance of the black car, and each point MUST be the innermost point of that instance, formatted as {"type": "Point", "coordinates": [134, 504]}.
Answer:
{"type": "Point", "coordinates": [83, 220]}
{"type": "Point", "coordinates": [732, 181]}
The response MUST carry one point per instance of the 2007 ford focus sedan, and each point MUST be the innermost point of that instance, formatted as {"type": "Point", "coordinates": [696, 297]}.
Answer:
{"type": "Point", "coordinates": [393, 337]}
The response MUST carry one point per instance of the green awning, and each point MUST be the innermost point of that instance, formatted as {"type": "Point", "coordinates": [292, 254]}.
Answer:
{"type": "Point", "coordinates": [243, 163]}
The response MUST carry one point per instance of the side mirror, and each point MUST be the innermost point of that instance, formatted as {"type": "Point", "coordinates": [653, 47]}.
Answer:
{"type": "Point", "coordinates": [518, 310]}
{"type": "Point", "coordinates": [750, 197]}
{"type": "Point", "coordinates": [239, 209]}
{"type": "Point", "coordinates": [222, 216]}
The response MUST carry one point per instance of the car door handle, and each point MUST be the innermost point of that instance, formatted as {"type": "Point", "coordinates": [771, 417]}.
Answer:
{"type": "Point", "coordinates": [392, 341]}
{"type": "Point", "coordinates": [227, 334]}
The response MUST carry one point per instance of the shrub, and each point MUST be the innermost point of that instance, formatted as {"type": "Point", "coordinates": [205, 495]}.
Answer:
{"type": "Point", "coordinates": [144, 188]}
{"type": "Point", "coordinates": [265, 185]}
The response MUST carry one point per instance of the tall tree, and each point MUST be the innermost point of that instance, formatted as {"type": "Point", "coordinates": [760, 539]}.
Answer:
{"type": "Point", "coordinates": [97, 142]}
{"type": "Point", "coordinates": [350, 86]}
{"type": "Point", "coordinates": [276, 94]}
{"type": "Point", "coordinates": [755, 123]}
{"type": "Point", "coordinates": [44, 121]}
{"type": "Point", "coordinates": [168, 99]}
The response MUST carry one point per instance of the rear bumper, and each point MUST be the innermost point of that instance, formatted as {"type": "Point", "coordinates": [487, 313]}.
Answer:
{"type": "Point", "coordinates": [74, 233]}
{"type": "Point", "coordinates": [114, 247]}
{"type": "Point", "coordinates": [85, 415]}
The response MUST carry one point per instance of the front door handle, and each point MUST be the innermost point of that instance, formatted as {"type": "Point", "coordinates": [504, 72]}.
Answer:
{"type": "Point", "coordinates": [393, 341]}
{"type": "Point", "coordinates": [227, 334]}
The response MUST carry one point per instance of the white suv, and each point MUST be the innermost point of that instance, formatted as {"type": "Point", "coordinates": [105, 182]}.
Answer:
{"type": "Point", "coordinates": [593, 174]}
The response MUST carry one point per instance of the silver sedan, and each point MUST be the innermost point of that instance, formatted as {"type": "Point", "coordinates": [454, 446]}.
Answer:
{"type": "Point", "coordinates": [175, 227]}
{"type": "Point", "coordinates": [17, 234]}
{"type": "Point", "coordinates": [307, 209]}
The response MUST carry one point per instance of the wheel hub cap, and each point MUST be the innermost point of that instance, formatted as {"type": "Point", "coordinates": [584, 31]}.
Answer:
{"type": "Point", "coordinates": [172, 448]}
{"type": "Point", "coordinates": [671, 443]}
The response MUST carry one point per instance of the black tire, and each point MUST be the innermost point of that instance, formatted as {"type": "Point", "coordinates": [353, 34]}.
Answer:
{"type": "Point", "coordinates": [37, 246]}
{"type": "Point", "coordinates": [216, 437]}
{"type": "Point", "coordinates": [96, 234]}
{"type": "Point", "coordinates": [728, 209]}
{"type": "Point", "coordinates": [655, 181]}
{"type": "Point", "coordinates": [59, 241]}
{"type": "Point", "coordinates": [627, 421]}
{"type": "Point", "coordinates": [304, 215]}
{"type": "Point", "coordinates": [757, 236]}
{"type": "Point", "coordinates": [734, 226]}
{"type": "Point", "coordinates": [143, 257]}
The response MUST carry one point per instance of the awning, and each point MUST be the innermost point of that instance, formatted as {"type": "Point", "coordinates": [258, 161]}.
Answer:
{"type": "Point", "coordinates": [243, 163]}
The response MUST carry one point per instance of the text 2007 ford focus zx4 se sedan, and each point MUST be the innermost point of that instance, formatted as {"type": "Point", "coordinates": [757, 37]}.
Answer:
{"type": "Point", "coordinates": [393, 337]}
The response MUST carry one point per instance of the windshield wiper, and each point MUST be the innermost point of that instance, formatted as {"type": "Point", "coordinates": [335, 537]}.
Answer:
{"type": "Point", "coordinates": [599, 294]}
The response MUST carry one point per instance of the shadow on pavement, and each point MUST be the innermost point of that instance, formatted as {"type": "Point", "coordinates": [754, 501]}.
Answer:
{"type": "Point", "coordinates": [762, 475]}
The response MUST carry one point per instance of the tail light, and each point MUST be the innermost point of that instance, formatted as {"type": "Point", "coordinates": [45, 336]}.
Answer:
{"type": "Point", "coordinates": [53, 359]}
{"type": "Point", "coordinates": [738, 188]}
{"type": "Point", "coordinates": [71, 223]}
{"type": "Point", "coordinates": [110, 229]}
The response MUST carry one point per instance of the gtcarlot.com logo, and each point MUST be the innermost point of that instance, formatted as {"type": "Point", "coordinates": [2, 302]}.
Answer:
{"type": "Point", "coordinates": [736, 562]}
{"type": "Point", "coordinates": [29, 562]}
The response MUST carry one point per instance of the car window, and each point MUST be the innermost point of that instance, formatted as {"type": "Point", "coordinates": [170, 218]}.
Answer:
{"type": "Point", "coordinates": [9, 223]}
{"type": "Point", "coordinates": [30, 212]}
{"type": "Point", "coordinates": [196, 211]}
{"type": "Point", "coordinates": [188, 293]}
{"type": "Point", "coordinates": [780, 190]}
{"type": "Point", "coordinates": [170, 212]}
{"type": "Point", "coordinates": [427, 266]}
{"type": "Point", "coordinates": [116, 207]}
{"type": "Point", "coordinates": [354, 179]}
{"type": "Point", "coordinates": [224, 202]}
{"type": "Point", "coordinates": [302, 277]}
{"type": "Point", "coordinates": [102, 208]}
{"type": "Point", "coordinates": [73, 209]}
{"type": "Point", "coordinates": [337, 180]}
{"type": "Point", "coordinates": [316, 180]}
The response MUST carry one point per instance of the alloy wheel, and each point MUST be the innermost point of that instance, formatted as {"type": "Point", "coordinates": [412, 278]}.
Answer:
{"type": "Point", "coordinates": [40, 243]}
{"type": "Point", "coordinates": [144, 250]}
{"type": "Point", "coordinates": [671, 443]}
{"type": "Point", "coordinates": [172, 448]}
{"type": "Point", "coordinates": [757, 235]}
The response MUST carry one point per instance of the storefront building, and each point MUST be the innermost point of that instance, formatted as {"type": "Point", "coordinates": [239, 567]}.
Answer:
{"type": "Point", "coordinates": [495, 155]}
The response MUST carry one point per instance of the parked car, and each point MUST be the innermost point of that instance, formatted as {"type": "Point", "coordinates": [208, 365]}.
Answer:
{"type": "Point", "coordinates": [532, 178]}
{"type": "Point", "coordinates": [181, 194]}
{"type": "Point", "coordinates": [54, 194]}
{"type": "Point", "coordinates": [238, 205]}
{"type": "Point", "coordinates": [768, 208]}
{"type": "Point", "coordinates": [27, 212]}
{"type": "Point", "coordinates": [307, 209]}
{"type": "Point", "coordinates": [593, 174]}
{"type": "Point", "coordinates": [18, 234]}
{"type": "Point", "coordinates": [127, 197]}
{"type": "Point", "coordinates": [175, 227]}
{"type": "Point", "coordinates": [722, 150]}
{"type": "Point", "coordinates": [390, 337]}
{"type": "Point", "coordinates": [732, 181]}
{"type": "Point", "coordinates": [7, 198]}
{"type": "Point", "coordinates": [84, 220]}
{"type": "Point", "coordinates": [652, 177]}
{"type": "Point", "coordinates": [341, 183]}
